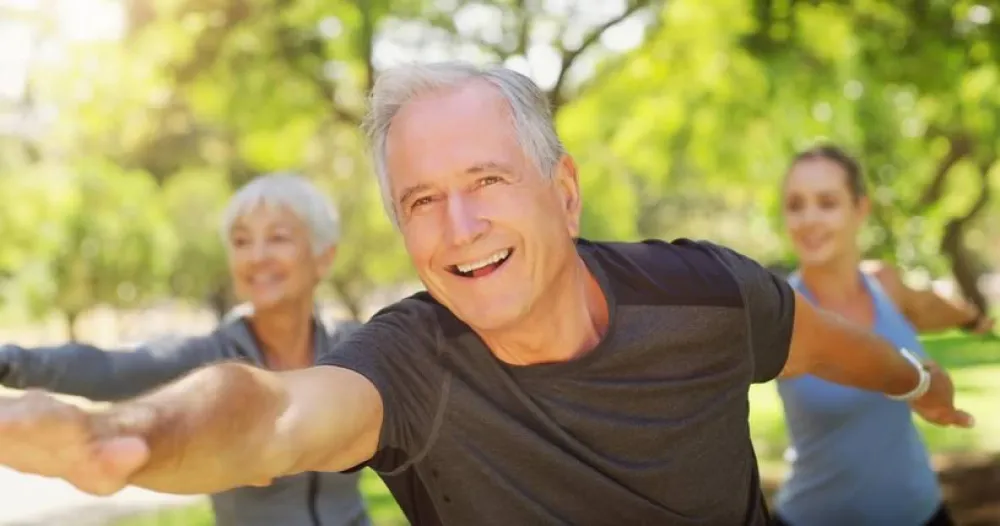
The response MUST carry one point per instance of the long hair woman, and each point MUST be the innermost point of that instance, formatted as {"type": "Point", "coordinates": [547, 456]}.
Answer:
{"type": "Point", "coordinates": [281, 235]}
{"type": "Point", "coordinates": [856, 456]}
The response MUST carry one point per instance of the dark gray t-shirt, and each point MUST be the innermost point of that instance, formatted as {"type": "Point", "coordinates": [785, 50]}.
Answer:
{"type": "Point", "coordinates": [648, 428]}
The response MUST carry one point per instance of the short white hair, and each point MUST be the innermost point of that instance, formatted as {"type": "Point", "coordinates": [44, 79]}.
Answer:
{"type": "Point", "coordinates": [530, 111]}
{"type": "Point", "coordinates": [294, 193]}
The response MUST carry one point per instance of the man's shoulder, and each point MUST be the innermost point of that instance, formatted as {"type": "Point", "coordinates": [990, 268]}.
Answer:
{"type": "Point", "coordinates": [413, 324]}
{"type": "Point", "coordinates": [679, 271]}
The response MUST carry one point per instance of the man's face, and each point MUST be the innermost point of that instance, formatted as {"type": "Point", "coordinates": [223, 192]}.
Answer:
{"type": "Point", "coordinates": [486, 231]}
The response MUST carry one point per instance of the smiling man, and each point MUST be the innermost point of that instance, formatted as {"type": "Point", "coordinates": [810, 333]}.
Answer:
{"type": "Point", "coordinates": [541, 379]}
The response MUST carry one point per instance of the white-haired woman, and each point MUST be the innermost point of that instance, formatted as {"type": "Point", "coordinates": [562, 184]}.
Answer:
{"type": "Point", "coordinates": [281, 234]}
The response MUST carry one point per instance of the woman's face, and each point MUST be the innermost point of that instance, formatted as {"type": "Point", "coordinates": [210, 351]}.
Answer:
{"type": "Point", "coordinates": [821, 214]}
{"type": "Point", "coordinates": [271, 259]}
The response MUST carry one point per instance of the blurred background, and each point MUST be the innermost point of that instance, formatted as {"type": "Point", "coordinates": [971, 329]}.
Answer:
{"type": "Point", "coordinates": [126, 124]}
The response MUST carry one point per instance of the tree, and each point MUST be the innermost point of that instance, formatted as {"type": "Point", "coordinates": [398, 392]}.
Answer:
{"type": "Point", "coordinates": [252, 87]}
{"type": "Point", "coordinates": [923, 79]}
{"type": "Point", "coordinates": [194, 201]}
{"type": "Point", "coordinates": [104, 236]}
{"type": "Point", "coordinates": [703, 118]}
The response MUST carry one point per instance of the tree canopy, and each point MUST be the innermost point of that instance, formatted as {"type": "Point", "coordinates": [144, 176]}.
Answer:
{"type": "Point", "coordinates": [681, 114]}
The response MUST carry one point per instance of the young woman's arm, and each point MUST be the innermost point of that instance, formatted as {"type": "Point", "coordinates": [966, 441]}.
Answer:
{"type": "Point", "coordinates": [927, 310]}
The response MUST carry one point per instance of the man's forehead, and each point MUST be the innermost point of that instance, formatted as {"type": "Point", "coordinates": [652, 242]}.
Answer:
{"type": "Point", "coordinates": [429, 137]}
{"type": "Point", "coordinates": [472, 102]}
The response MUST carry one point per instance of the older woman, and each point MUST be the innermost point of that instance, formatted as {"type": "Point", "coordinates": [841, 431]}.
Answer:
{"type": "Point", "coordinates": [856, 456]}
{"type": "Point", "coordinates": [281, 235]}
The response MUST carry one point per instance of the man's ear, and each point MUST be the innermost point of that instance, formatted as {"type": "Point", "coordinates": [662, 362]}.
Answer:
{"type": "Point", "coordinates": [567, 183]}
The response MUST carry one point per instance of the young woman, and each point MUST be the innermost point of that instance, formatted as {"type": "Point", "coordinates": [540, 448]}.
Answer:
{"type": "Point", "coordinates": [281, 234]}
{"type": "Point", "coordinates": [856, 456]}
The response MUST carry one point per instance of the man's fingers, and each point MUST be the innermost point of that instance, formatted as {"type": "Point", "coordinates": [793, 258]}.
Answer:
{"type": "Point", "coordinates": [962, 419]}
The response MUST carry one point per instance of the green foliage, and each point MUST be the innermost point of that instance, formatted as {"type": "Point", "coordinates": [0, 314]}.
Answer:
{"type": "Point", "coordinates": [382, 509]}
{"type": "Point", "coordinates": [194, 200]}
{"type": "Point", "coordinates": [101, 237]}
{"type": "Point", "coordinates": [684, 131]}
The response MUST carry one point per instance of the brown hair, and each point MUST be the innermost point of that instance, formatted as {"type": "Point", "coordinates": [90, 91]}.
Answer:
{"type": "Point", "coordinates": [852, 169]}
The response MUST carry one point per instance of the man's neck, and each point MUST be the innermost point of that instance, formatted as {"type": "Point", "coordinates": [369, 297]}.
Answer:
{"type": "Point", "coordinates": [571, 322]}
{"type": "Point", "coordinates": [285, 335]}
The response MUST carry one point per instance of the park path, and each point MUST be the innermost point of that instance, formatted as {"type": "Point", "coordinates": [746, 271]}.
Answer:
{"type": "Point", "coordinates": [27, 500]}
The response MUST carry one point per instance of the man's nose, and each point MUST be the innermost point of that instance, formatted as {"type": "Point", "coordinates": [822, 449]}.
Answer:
{"type": "Point", "coordinates": [464, 220]}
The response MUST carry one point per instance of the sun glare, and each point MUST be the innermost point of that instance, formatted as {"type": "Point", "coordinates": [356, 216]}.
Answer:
{"type": "Point", "coordinates": [33, 30]}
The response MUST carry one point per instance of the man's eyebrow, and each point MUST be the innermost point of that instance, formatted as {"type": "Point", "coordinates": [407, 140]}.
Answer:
{"type": "Point", "coordinates": [479, 168]}
{"type": "Point", "coordinates": [409, 192]}
{"type": "Point", "coordinates": [489, 166]}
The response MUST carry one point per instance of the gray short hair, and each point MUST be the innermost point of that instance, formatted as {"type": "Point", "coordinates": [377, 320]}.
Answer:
{"type": "Point", "coordinates": [295, 193]}
{"type": "Point", "coordinates": [530, 111]}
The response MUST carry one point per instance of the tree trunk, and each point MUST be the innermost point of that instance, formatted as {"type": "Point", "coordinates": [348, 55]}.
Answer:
{"type": "Point", "coordinates": [221, 302]}
{"type": "Point", "coordinates": [71, 318]}
{"type": "Point", "coordinates": [963, 264]}
{"type": "Point", "coordinates": [349, 300]}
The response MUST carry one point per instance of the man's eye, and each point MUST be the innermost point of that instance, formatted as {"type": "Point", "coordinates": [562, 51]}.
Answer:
{"type": "Point", "coordinates": [488, 180]}
{"type": "Point", "coordinates": [421, 202]}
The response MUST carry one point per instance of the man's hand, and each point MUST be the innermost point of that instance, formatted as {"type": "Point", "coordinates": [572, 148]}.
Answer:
{"type": "Point", "coordinates": [937, 406]}
{"type": "Point", "coordinates": [43, 436]}
{"type": "Point", "coordinates": [982, 325]}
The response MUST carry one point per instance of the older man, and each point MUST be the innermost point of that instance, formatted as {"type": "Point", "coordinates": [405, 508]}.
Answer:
{"type": "Point", "coordinates": [541, 379]}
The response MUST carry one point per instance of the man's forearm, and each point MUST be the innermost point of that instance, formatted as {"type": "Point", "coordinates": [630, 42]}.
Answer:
{"type": "Point", "coordinates": [209, 431]}
{"type": "Point", "coordinates": [843, 352]}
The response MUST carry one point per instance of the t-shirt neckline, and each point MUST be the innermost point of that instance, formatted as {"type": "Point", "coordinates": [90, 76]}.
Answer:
{"type": "Point", "coordinates": [585, 249]}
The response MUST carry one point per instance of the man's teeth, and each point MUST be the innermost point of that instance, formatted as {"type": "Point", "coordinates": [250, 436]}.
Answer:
{"type": "Point", "coordinates": [476, 265]}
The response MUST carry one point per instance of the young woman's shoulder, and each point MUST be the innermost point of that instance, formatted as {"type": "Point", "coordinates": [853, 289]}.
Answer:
{"type": "Point", "coordinates": [889, 277]}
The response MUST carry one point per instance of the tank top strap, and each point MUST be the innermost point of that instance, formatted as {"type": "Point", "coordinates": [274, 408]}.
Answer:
{"type": "Point", "coordinates": [795, 281]}
{"type": "Point", "coordinates": [878, 292]}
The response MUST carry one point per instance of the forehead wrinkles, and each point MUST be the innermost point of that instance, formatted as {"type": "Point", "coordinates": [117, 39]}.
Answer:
{"type": "Point", "coordinates": [477, 106]}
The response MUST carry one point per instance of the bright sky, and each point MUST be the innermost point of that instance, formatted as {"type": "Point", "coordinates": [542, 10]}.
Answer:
{"type": "Point", "coordinates": [87, 20]}
{"type": "Point", "coordinates": [74, 21]}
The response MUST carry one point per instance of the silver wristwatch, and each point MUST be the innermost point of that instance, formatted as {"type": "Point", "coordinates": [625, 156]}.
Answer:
{"type": "Point", "coordinates": [922, 386]}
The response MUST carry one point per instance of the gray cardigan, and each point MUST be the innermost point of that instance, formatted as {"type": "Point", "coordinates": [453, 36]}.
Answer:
{"type": "Point", "coordinates": [306, 499]}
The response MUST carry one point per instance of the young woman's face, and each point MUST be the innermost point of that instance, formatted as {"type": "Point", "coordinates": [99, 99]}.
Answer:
{"type": "Point", "coordinates": [822, 216]}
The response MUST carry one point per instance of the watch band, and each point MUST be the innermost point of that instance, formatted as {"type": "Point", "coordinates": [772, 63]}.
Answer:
{"type": "Point", "coordinates": [922, 386]}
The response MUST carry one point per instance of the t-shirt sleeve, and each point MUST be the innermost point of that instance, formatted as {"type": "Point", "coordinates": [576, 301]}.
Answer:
{"type": "Point", "coordinates": [770, 306]}
{"type": "Point", "coordinates": [396, 350]}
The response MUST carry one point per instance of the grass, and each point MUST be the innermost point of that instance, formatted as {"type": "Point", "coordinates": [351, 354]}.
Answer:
{"type": "Point", "coordinates": [974, 364]}
{"type": "Point", "coordinates": [381, 506]}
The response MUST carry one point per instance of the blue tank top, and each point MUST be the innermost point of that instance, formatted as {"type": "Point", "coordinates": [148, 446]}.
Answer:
{"type": "Point", "coordinates": [856, 457]}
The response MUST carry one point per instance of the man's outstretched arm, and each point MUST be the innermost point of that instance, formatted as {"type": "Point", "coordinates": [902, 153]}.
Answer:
{"type": "Point", "coordinates": [220, 427]}
{"type": "Point", "coordinates": [790, 336]}
{"type": "Point", "coordinates": [828, 346]}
